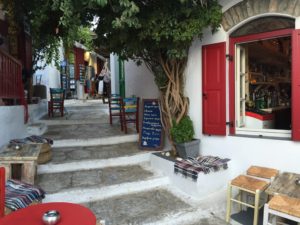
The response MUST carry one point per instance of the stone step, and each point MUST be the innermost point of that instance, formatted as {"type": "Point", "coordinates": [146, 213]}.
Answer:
{"type": "Point", "coordinates": [158, 206]}
{"type": "Point", "coordinates": [83, 195]}
{"type": "Point", "coordinates": [107, 140]}
{"type": "Point", "coordinates": [93, 178]}
{"type": "Point", "coordinates": [94, 164]}
{"type": "Point", "coordinates": [138, 208]}
{"type": "Point", "coordinates": [88, 134]}
{"type": "Point", "coordinates": [63, 155]}
{"type": "Point", "coordinates": [36, 128]}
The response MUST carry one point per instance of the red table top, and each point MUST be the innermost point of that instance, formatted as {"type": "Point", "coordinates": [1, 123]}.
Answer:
{"type": "Point", "coordinates": [70, 214]}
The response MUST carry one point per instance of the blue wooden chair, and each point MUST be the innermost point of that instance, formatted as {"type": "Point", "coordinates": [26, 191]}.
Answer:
{"type": "Point", "coordinates": [130, 112]}
{"type": "Point", "coordinates": [56, 103]}
{"type": "Point", "coordinates": [114, 104]}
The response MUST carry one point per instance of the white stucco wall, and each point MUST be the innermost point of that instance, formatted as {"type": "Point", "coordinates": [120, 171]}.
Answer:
{"type": "Point", "coordinates": [36, 111]}
{"type": "Point", "coordinates": [50, 78]}
{"type": "Point", "coordinates": [114, 70]}
{"type": "Point", "coordinates": [11, 123]}
{"type": "Point", "coordinates": [139, 81]}
{"type": "Point", "coordinates": [50, 74]}
{"type": "Point", "coordinates": [244, 151]}
{"type": "Point", "coordinates": [12, 120]}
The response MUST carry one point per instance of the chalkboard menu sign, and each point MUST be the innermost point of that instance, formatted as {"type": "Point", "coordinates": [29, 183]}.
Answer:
{"type": "Point", "coordinates": [151, 131]}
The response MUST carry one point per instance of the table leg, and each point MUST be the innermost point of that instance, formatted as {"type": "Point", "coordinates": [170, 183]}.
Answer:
{"type": "Point", "coordinates": [28, 172]}
{"type": "Point", "coordinates": [7, 167]}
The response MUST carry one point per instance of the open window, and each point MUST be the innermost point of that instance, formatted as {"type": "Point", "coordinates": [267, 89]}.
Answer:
{"type": "Point", "coordinates": [263, 87]}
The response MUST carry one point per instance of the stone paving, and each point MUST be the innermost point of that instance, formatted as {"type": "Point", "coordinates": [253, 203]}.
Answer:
{"type": "Point", "coordinates": [210, 221]}
{"type": "Point", "coordinates": [156, 205]}
{"type": "Point", "coordinates": [96, 113]}
{"type": "Point", "coordinates": [75, 154]}
{"type": "Point", "coordinates": [55, 182]}
{"type": "Point", "coordinates": [137, 208]}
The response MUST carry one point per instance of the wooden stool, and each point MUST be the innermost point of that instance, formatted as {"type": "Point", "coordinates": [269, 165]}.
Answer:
{"type": "Point", "coordinates": [284, 207]}
{"type": "Point", "coordinates": [263, 172]}
{"type": "Point", "coordinates": [250, 185]}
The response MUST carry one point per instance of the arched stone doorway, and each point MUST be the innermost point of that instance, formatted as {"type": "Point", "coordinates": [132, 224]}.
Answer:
{"type": "Point", "coordinates": [250, 8]}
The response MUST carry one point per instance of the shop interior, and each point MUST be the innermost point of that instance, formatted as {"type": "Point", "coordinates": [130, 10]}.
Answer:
{"type": "Point", "coordinates": [264, 84]}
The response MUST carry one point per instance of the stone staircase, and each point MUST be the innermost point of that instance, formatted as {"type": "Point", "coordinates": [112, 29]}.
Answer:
{"type": "Point", "coordinates": [96, 165]}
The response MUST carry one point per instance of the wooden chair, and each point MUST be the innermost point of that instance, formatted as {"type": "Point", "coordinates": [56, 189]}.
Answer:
{"type": "Point", "coordinates": [57, 96]}
{"type": "Point", "coordinates": [282, 206]}
{"type": "Point", "coordinates": [130, 112]}
{"type": "Point", "coordinates": [114, 105]}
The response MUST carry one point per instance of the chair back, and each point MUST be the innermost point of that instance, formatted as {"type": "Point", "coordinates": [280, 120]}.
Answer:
{"type": "Point", "coordinates": [2, 191]}
{"type": "Point", "coordinates": [57, 94]}
{"type": "Point", "coordinates": [130, 105]}
{"type": "Point", "coordinates": [114, 102]}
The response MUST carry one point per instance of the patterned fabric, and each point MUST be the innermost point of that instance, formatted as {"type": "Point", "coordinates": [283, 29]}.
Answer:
{"type": "Point", "coordinates": [203, 164]}
{"type": "Point", "coordinates": [32, 139]}
{"type": "Point", "coordinates": [19, 194]}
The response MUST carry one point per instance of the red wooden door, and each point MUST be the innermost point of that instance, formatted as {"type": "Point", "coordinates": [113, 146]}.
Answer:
{"type": "Point", "coordinates": [214, 88]}
{"type": "Point", "coordinates": [296, 85]}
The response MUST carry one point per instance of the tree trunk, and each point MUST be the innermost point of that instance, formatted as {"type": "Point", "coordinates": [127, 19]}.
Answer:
{"type": "Point", "coordinates": [174, 104]}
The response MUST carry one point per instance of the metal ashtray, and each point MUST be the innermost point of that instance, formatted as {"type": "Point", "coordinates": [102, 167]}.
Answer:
{"type": "Point", "coordinates": [297, 181]}
{"type": "Point", "coordinates": [15, 146]}
{"type": "Point", "coordinates": [51, 217]}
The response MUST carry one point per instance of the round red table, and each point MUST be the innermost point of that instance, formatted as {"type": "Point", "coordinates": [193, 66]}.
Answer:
{"type": "Point", "coordinates": [70, 214]}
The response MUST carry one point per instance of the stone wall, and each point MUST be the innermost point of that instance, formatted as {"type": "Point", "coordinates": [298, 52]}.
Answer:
{"type": "Point", "coordinates": [249, 8]}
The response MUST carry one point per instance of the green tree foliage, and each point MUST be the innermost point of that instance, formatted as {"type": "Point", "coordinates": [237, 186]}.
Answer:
{"type": "Point", "coordinates": [52, 22]}
{"type": "Point", "coordinates": [158, 33]}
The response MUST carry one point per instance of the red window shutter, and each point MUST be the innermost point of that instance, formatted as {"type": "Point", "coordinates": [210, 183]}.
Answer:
{"type": "Point", "coordinates": [214, 89]}
{"type": "Point", "coordinates": [296, 85]}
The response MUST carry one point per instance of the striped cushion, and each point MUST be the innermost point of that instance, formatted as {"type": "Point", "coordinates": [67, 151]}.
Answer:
{"type": "Point", "coordinates": [19, 194]}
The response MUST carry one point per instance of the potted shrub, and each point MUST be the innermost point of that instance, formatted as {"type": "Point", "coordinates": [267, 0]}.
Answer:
{"type": "Point", "coordinates": [182, 134]}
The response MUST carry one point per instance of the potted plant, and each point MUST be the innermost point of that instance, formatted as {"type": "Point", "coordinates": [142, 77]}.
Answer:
{"type": "Point", "coordinates": [182, 134]}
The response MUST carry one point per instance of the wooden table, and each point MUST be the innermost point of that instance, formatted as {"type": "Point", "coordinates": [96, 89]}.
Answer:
{"type": "Point", "coordinates": [71, 214]}
{"type": "Point", "coordinates": [27, 156]}
{"type": "Point", "coordinates": [285, 184]}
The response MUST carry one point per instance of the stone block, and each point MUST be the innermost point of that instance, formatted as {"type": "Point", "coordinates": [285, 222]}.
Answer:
{"type": "Point", "coordinates": [264, 6]}
{"type": "Point", "coordinates": [256, 5]}
{"type": "Point", "coordinates": [234, 16]}
{"type": "Point", "coordinates": [239, 12]}
{"type": "Point", "coordinates": [297, 9]}
{"type": "Point", "coordinates": [282, 6]}
{"type": "Point", "coordinates": [292, 6]}
{"type": "Point", "coordinates": [228, 18]}
{"type": "Point", "coordinates": [273, 6]}
{"type": "Point", "coordinates": [249, 5]}
{"type": "Point", "coordinates": [225, 24]}
{"type": "Point", "coordinates": [244, 10]}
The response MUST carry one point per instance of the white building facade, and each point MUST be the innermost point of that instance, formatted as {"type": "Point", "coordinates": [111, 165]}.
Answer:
{"type": "Point", "coordinates": [242, 82]}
